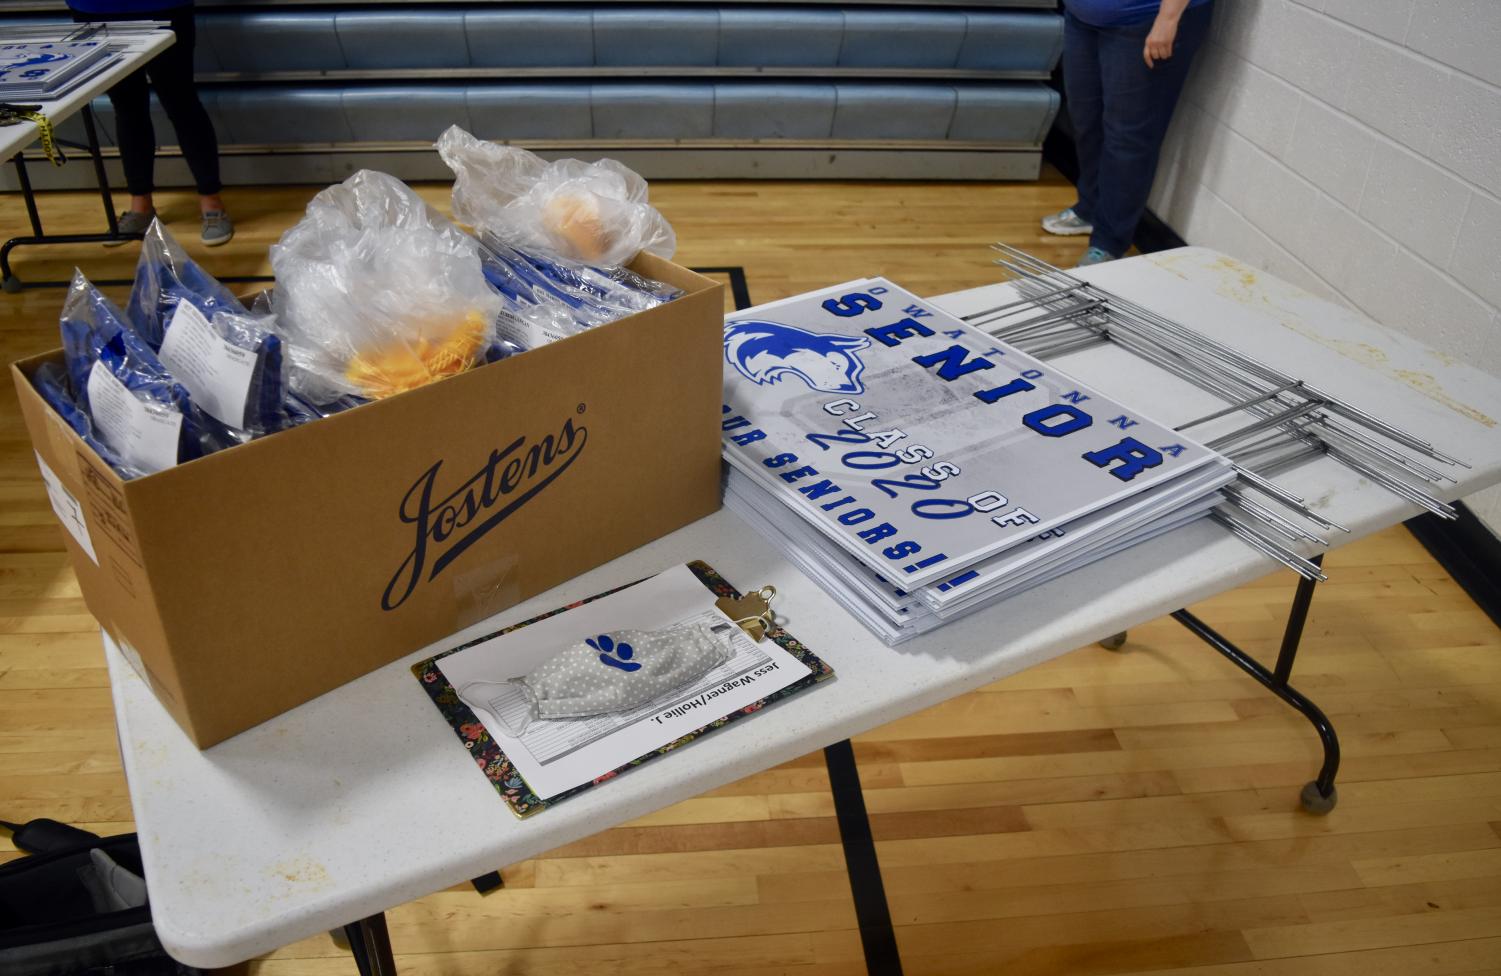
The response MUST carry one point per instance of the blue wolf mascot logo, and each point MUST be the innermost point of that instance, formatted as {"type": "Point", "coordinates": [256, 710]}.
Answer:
{"type": "Point", "coordinates": [765, 352]}
{"type": "Point", "coordinates": [35, 72]}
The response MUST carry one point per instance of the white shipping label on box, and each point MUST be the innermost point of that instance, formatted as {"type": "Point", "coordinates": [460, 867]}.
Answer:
{"type": "Point", "coordinates": [144, 437]}
{"type": "Point", "coordinates": [216, 372]}
{"type": "Point", "coordinates": [69, 512]}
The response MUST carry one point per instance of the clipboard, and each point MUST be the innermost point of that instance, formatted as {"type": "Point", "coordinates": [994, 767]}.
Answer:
{"type": "Point", "coordinates": [499, 770]}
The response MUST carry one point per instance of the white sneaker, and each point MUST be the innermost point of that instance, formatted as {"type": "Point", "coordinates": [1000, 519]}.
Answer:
{"type": "Point", "coordinates": [1066, 223]}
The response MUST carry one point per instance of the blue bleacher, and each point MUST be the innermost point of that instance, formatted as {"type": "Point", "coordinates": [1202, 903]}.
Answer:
{"type": "Point", "coordinates": [656, 37]}
{"type": "Point", "coordinates": [530, 37]}
{"type": "Point", "coordinates": [664, 110]}
{"type": "Point", "coordinates": [540, 110]}
{"type": "Point", "coordinates": [256, 42]}
{"type": "Point", "coordinates": [902, 38]}
{"type": "Point", "coordinates": [780, 37]}
{"type": "Point", "coordinates": [771, 110]}
{"type": "Point", "coordinates": [376, 40]}
{"type": "Point", "coordinates": [348, 75]}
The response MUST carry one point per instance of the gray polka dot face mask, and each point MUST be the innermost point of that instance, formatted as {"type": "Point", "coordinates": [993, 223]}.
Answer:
{"type": "Point", "coordinates": [621, 670]}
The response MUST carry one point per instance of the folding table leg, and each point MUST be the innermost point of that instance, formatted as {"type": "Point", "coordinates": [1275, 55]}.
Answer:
{"type": "Point", "coordinates": [1318, 796]}
{"type": "Point", "coordinates": [96, 155]}
{"type": "Point", "coordinates": [370, 942]}
{"type": "Point", "coordinates": [486, 883]}
{"type": "Point", "coordinates": [872, 913]}
{"type": "Point", "coordinates": [8, 278]}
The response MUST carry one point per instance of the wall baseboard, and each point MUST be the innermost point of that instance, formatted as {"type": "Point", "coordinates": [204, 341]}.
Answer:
{"type": "Point", "coordinates": [1153, 234]}
{"type": "Point", "coordinates": [418, 162]}
{"type": "Point", "coordinates": [1468, 551]}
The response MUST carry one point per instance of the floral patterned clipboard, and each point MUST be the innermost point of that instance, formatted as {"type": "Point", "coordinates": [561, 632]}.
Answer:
{"type": "Point", "coordinates": [498, 769]}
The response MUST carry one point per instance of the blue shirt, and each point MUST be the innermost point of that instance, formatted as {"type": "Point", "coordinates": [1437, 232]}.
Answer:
{"type": "Point", "coordinates": [1117, 13]}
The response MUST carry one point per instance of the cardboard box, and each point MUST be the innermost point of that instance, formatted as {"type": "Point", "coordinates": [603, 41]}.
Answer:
{"type": "Point", "coordinates": [252, 580]}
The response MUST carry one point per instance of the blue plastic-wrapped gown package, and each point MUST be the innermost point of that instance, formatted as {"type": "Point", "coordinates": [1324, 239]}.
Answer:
{"type": "Point", "coordinates": [136, 407]}
{"type": "Point", "coordinates": [165, 276]}
{"type": "Point", "coordinates": [230, 358]}
{"type": "Point", "coordinates": [52, 382]}
{"type": "Point", "coordinates": [551, 298]}
{"type": "Point", "coordinates": [187, 369]}
{"type": "Point", "coordinates": [617, 288]}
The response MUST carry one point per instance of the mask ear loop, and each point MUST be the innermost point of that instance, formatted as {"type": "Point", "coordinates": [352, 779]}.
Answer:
{"type": "Point", "coordinates": [476, 702]}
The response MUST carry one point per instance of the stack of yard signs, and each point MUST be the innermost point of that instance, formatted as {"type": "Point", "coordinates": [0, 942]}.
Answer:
{"type": "Point", "coordinates": [37, 70]}
{"type": "Point", "coordinates": [919, 469]}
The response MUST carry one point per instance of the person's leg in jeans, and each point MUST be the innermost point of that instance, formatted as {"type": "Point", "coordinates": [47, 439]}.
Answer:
{"type": "Point", "coordinates": [171, 74]}
{"type": "Point", "coordinates": [1082, 87]}
{"type": "Point", "coordinates": [1138, 105]}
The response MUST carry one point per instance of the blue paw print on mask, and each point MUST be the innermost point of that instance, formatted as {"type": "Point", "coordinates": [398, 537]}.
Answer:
{"type": "Point", "coordinates": [606, 645]}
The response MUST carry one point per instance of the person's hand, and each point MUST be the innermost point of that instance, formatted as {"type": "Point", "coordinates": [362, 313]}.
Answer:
{"type": "Point", "coordinates": [1159, 46]}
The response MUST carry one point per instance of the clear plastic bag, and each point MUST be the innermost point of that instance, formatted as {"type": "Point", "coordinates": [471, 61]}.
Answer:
{"type": "Point", "coordinates": [591, 212]}
{"type": "Point", "coordinates": [166, 278]}
{"type": "Point", "coordinates": [552, 298]}
{"type": "Point", "coordinates": [165, 275]}
{"type": "Point", "coordinates": [149, 421]}
{"type": "Point", "coordinates": [617, 291]}
{"type": "Point", "coordinates": [51, 381]}
{"type": "Point", "coordinates": [377, 293]}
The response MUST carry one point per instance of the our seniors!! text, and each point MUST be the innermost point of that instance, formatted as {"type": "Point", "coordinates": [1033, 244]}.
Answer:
{"type": "Point", "coordinates": [1125, 459]}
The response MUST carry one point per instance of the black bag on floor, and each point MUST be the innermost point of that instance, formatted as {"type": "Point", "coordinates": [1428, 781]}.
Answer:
{"type": "Point", "coordinates": [77, 907]}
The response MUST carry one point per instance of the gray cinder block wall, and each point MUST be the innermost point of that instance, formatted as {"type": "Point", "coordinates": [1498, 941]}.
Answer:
{"type": "Point", "coordinates": [1354, 148]}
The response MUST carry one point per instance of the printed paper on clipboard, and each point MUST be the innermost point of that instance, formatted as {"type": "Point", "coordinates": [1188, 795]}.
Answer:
{"type": "Point", "coordinates": [919, 444]}
{"type": "Point", "coordinates": [552, 760]}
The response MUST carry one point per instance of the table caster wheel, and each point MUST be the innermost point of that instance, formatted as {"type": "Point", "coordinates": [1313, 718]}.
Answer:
{"type": "Point", "coordinates": [12, 284]}
{"type": "Point", "coordinates": [1315, 802]}
{"type": "Point", "coordinates": [1114, 642]}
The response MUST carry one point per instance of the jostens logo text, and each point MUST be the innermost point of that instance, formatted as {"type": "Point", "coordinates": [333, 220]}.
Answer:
{"type": "Point", "coordinates": [449, 525]}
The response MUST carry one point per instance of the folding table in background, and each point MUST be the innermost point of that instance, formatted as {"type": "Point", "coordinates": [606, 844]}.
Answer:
{"type": "Point", "coordinates": [140, 47]}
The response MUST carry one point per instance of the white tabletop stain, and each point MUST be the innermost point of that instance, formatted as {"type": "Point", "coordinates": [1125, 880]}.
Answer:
{"type": "Point", "coordinates": [1245, 286]}
{"type": "Point", "coordinates": [304, 872]}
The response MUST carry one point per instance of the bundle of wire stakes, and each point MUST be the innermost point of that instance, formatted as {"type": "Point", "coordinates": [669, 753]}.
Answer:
{"type": "Point", "coordinates": [1275, 419]}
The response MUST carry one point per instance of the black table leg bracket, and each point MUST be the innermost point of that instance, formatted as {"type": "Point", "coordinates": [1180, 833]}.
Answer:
{"type": "Point", "coordinates": [1319, 796]}
{"type": "Point", "coordinates": [8, 278]}
{"type": "Point", "coordinates": [370, 942]}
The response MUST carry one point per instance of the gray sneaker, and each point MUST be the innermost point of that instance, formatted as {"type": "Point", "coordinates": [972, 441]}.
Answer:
{"type": "Point", "coordinates": [131, 222]}
{"type": "Point", "coordinates": [1095, 255]}
{"type": "Point", "coordinates": [1066, 223]}
{"type": "Point", "coordinates": [217, 228]}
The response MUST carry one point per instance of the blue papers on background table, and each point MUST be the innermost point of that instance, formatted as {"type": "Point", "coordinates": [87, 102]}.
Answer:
{"type": "Point", "coordinates": [41, 70]}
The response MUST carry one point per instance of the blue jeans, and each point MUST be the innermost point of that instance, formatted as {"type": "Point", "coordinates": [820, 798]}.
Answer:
{"type": "Point", "coordinates": [1120, 109]}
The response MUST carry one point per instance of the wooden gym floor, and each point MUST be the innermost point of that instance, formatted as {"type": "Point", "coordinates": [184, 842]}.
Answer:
{"type": "Point", "coordinates": [1129, 812]}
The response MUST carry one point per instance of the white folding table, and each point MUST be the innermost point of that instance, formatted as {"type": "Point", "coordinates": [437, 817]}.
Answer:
{"type": "Point", "coordinates": [326, 814]}
{"type": "Point", "coordinates": [140, 48]}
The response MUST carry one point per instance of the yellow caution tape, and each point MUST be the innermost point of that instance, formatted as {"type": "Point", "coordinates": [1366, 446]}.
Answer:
{"type": "Point", "coordinates": [12, 114]}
